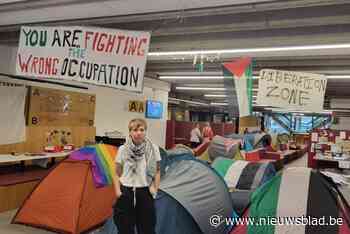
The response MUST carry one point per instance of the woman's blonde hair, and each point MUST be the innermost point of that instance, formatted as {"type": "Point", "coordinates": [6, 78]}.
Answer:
{"type": "Point", "coordinates": [136, 123]}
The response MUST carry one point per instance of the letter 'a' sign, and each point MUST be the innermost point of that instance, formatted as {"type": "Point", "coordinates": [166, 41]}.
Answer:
{"type": "Point", "coordinates": [137, 106]}
{"type": "Point", "coordinates": [291, 90]}
{"type": "Point", "coordinates": [107, 57]}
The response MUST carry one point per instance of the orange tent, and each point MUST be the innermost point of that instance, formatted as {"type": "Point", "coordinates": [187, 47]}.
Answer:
{"type": "Point", "coordinates": [67, 201]}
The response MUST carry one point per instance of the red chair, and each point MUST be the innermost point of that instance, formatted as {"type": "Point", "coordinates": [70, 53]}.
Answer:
{"type": "Point", "coordinates": [271, 155]}
{"type": "Point", "coordinates": [199, 150]}
{"type": "Point", "coordinates": [254, 156]}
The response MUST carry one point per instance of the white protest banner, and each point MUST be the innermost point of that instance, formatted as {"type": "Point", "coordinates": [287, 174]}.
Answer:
{"type": "Point", "coordinates": [291, 90]}
{"type": "Point", "coordinates": [107, 57]}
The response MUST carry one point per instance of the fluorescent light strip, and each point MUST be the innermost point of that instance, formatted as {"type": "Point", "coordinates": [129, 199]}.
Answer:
{"type": "Point", "coordinates": [222, 77]}
{"type": "Point", "coordinates": [338, 76]}
{"type": "Point", "coordinates": [222, 104]}
{"type": "Point", "coordinates": [10, 1]}
{"type": "Point", "coordinates": [253, 50]}
{"type": "Point", "coordinates": [188, 101]}
{"type": "Point", "coordinates": [201, 88]}
{"type": "Point", "coordinates": [337, 110]}
{"type": "Point", "coordinates": [215, 95]}
{"type": "Point", "coordinates": [221, 96]}
{"type": "Point", "coordinates": [206, 88]}
{"type": "Point", "coordinates": [298, 111]}
{"type": "Point", "coordinates": [191, 77]}
{"type": "Point", "coordinates": [218, 103]}
{"type": "Point", "coordinates": [195, 77]}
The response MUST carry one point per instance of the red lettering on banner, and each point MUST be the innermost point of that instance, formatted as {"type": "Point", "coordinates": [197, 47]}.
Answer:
{"type": "Point", "coordinates": [132, 46]}
{"type": "Point", "coordinates": [101, 45]}
{"type": "Point", "coordinates": [50, 66]}
{"type": "Point", "coordinates": [34, 64]}
{"type": "Point", "coordinates": [94, 42]}
{"type": "Point", "coordinates": [120, 39]}
{"type": "Point", "coordinates": [126, 45]}
{"type": "Point", "coordinates": [121, 44]}
{"type": "Point", "coordinates": [24, 66]}
{"type": "Point", "coordinates": [41, 65]}
{"type": "Point", "coordinates": [110, 43]}
{"type": "Point", "coordinates": [38, 65]}
{"type": "Point", "coordinates": [54, 69]}
{"type": "Point", "coordinates": [140, 49]}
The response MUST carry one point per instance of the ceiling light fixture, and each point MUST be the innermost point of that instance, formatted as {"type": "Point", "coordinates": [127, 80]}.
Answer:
{"type": "Point", "coordinates": [222, 77]}
{"type": "Point", "coordinates": [206, 88]}
{"type": "Point", "coordinates": [253, 50]}
{"type": "Point", "coordinates": [215, 95]}
{"type": "Point", "coordinates": [2, 2]}
{"type": "Point", "coordinates": [195, 77]}
{"type": "Point", "coordinates": [201, 88]}
{"type": "Point", "coordinates": [187, 101]}
{"type": "Point", "coordinates": [338, 76]}
{"type": "Point", "coordinates": [218, 103]}
{"type": "Point", "coordinates": [298, 111]}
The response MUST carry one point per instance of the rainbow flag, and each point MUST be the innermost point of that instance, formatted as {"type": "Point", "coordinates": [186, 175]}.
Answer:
{"type": "Point", "coordinates": [241, 71]}
{"type": "Point", "coordinates": [102, 162]}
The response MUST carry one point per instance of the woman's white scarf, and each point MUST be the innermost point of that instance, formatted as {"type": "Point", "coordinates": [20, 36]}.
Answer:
{"type": "Point", "coordinates": [138, 152]}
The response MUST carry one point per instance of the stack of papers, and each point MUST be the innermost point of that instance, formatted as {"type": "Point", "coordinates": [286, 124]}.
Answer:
{"type": "Point", "coordinates": [338, 178]}
{"type": "Point", "coordinates": [344, 164]}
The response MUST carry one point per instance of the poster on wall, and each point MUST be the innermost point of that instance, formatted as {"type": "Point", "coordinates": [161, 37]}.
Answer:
{"type": "Point", "coordinates": [53, 107]}
{"type": "Point", "coordinates": [108, 57]}
{"type": "Point", "coordinates": [12, 119]}
{"type": "Point", "coordinates": [291, 90]}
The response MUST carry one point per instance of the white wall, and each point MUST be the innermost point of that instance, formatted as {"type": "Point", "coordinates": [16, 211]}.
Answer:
{"type": "Point", "coordinates": [111, 111]}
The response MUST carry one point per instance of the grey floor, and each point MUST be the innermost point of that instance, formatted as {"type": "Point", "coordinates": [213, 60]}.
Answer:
{"type": "Point", "coordinates": [300, 162]}
{"type": "Point", "coordinates": [7, 228]}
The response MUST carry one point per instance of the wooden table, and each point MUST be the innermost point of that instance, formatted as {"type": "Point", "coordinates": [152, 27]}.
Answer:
{"type": "Point", "coordinates": [9, 158]}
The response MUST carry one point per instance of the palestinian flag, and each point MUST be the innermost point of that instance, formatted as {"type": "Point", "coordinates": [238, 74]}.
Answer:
{"type": "Point", "coordinates": [244, 175]}
{"type": "Point", "coordinates": [241, 72]}
{"type": "Point", "coordinates": [308, 202]}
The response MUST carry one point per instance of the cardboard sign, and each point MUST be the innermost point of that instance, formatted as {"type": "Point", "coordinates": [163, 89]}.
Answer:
{"type": "Point", "coordinates": [137, 106]}
{"type": "Point", "coordinates": [343, 135]}
{"type": "Point", "coordinates": [314, 137]}
{"type": "Point", "coordinates": [344, 164]}
{"type": "Point", "coordinates": [291, 90]}
{"type": "Point", "coordinates": [53, 107]}
{"type": "Point", "coordinates": [107, 57]}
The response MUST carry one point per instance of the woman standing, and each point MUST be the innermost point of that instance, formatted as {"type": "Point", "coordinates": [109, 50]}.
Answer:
{"type": "Point", "coordinates": [196, 136]}
{"type": "Point", "coordinates": [137, 181]}
{"type": "Point", "coordinates": [207, 131]}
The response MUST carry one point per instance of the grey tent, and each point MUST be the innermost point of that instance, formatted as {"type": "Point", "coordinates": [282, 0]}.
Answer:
{"type": "Point", "coordinates": [252, 141]}
{"type": "Point", "coordinates": [199, 190]}
{"type": "Point", "coordinates": [243, 177]}
{"type": "Point", "coordinates": [190, 193]}
{"type": "Point", "coordinates": [168, 156]}
{"type": "Point", "coordinates": [223, 147]}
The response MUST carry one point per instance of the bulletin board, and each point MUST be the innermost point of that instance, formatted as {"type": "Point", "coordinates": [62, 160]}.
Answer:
{"type": "Point", "coordinates": [51, 107]}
